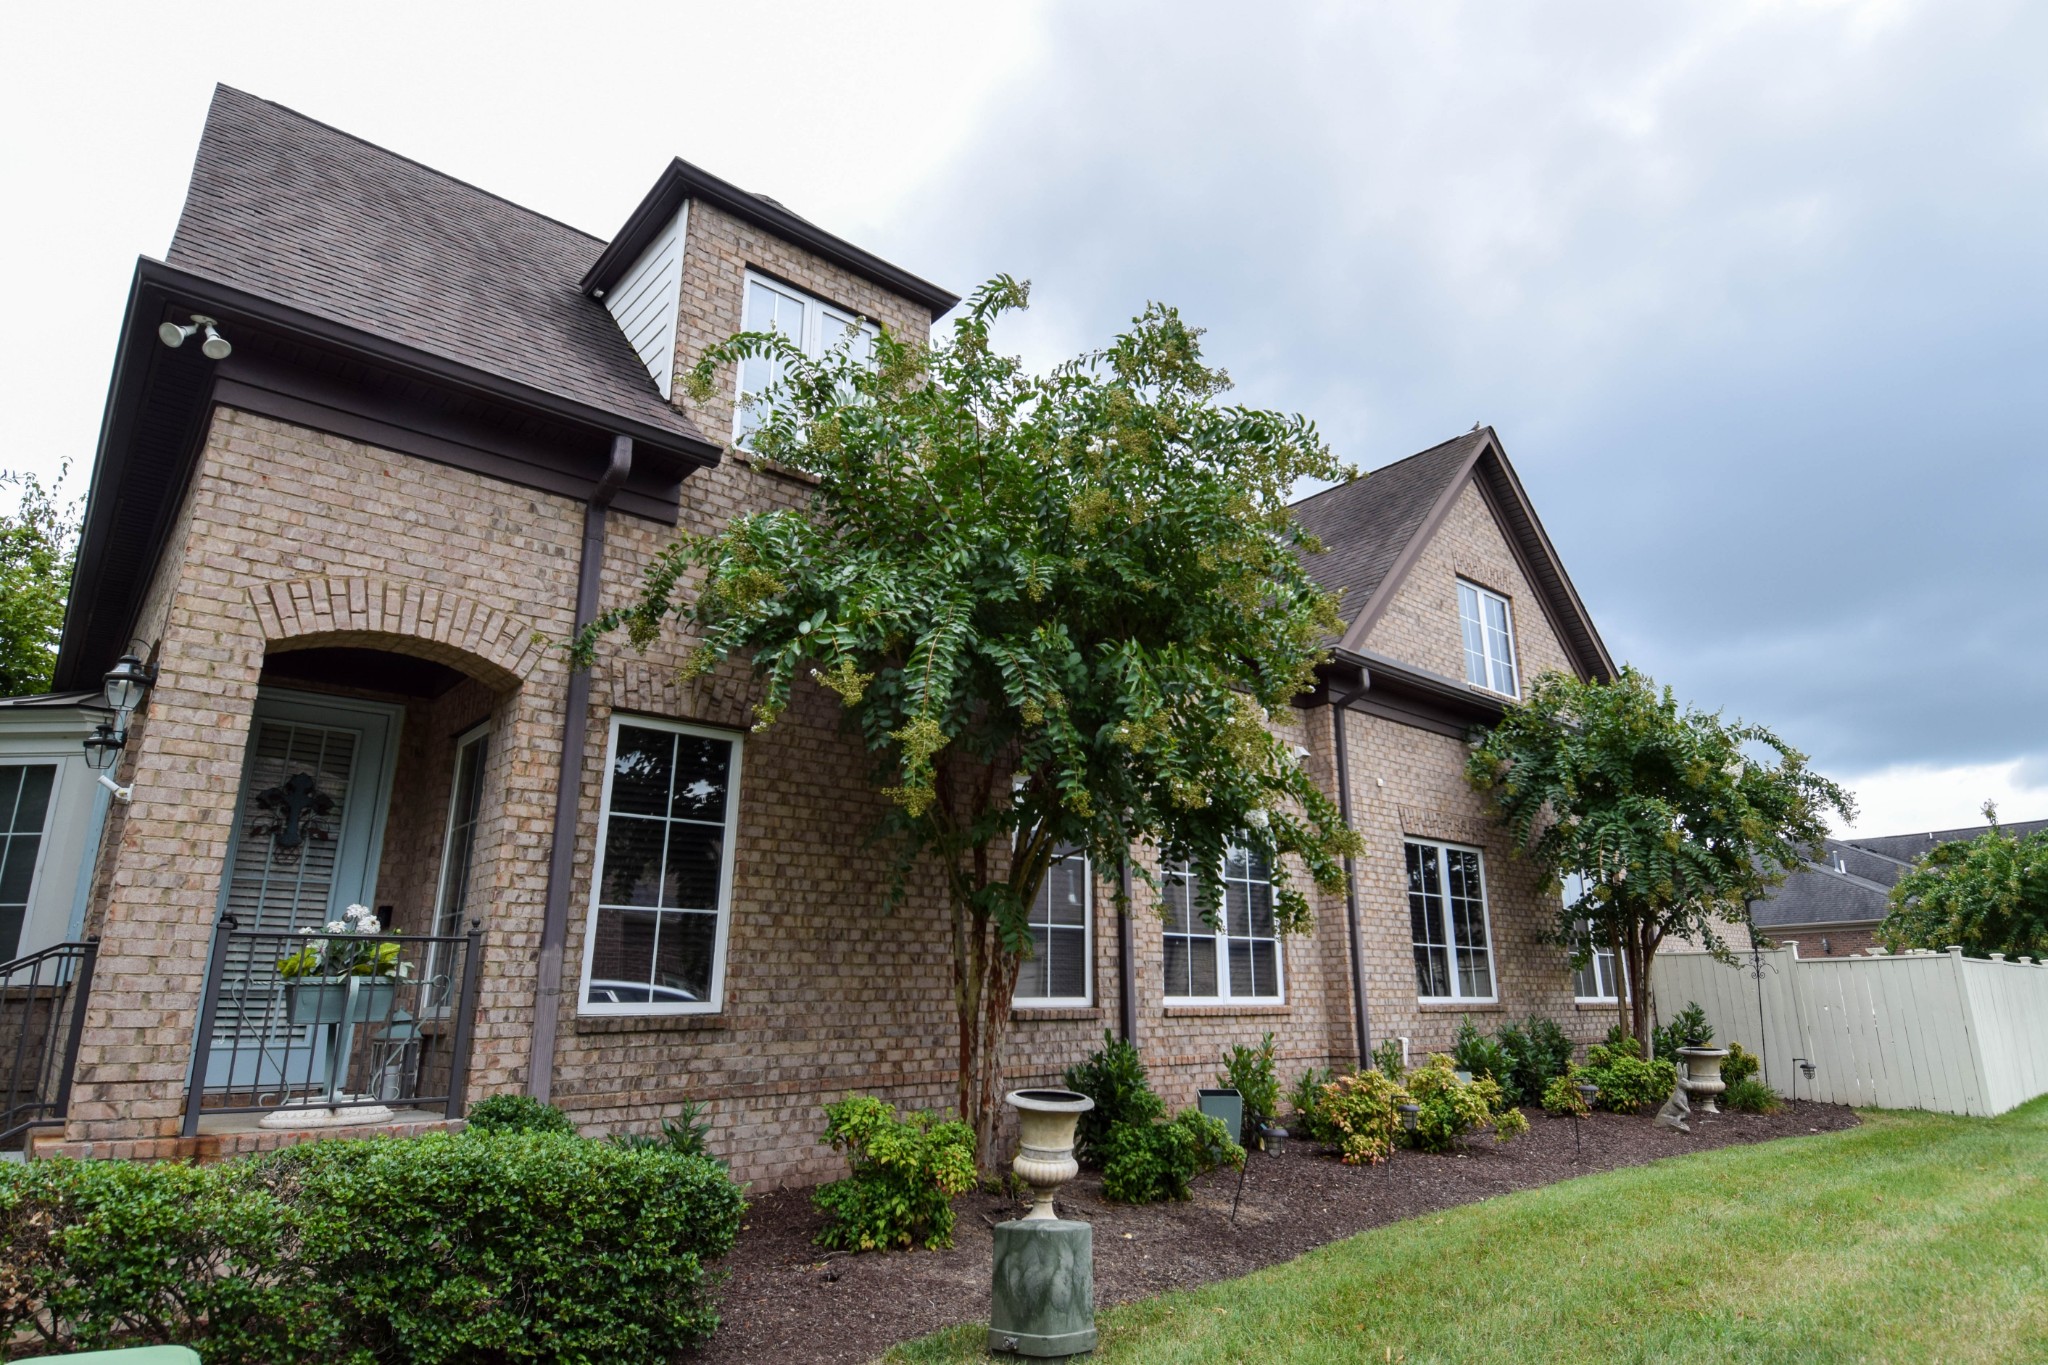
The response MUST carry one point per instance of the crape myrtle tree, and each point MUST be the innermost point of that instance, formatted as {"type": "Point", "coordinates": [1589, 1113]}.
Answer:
{"type": "Point", "coordinates": [1672, 817]}
{"type": "Point", "coordinates": [1987, 895]}
{"type": "Point", "coordinates": [1058, 609]}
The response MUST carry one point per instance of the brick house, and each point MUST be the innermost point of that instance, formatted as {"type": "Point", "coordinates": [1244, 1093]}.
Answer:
{"type": "Point", "coordinates": [445, 428]}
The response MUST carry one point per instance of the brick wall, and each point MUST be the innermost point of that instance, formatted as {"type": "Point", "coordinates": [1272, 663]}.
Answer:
{"type": "Point", "coordinates": [290, 538]}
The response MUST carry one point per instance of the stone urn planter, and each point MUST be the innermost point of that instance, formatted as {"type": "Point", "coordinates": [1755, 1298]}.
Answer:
{"type": "Point", "coordinates": [325, 999]}
{"type": "Point", "coordinates": [1042, 1302]}
{"type": "Point", "coordinates": [1045, 1144]}
{"type": "Point", "coordinates": [1703, 1074]}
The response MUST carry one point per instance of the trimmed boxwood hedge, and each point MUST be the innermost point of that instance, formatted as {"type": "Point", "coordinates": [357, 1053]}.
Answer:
{"type": "Point", "coordinates": [440, 1249]}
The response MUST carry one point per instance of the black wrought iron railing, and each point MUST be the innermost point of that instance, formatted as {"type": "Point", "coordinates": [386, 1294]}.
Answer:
{"type": "Point", "coordinates": [42, 1017]}
{"type": "Point", "coordinates": [301, 1024]}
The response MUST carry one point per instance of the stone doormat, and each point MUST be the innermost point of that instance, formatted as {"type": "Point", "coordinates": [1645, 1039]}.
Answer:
{"type": "Point", "coordinates": [787, 1301]}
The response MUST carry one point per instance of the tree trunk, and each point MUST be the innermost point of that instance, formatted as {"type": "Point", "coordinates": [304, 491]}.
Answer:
{"type": "Point", "coordinates": [984, 978]}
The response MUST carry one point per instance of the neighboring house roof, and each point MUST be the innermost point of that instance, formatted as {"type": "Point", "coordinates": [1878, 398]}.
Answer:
{"type": "Point", "coordinates": [1849, 881]}
{"type": "Point", "coordinates": [1374, 528]}
{"type": "Point", "coordinates": [295, 211]}
{"type": "Point", "coordinates": [56, 701]}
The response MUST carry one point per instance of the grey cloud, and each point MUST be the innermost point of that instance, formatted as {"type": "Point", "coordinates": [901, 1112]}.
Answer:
{"type": "Point", "coordinates": [1754, 294]}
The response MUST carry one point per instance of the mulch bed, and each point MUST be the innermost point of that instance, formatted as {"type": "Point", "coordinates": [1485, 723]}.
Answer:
{"type": "Point", "coordinates": [787, 1301]}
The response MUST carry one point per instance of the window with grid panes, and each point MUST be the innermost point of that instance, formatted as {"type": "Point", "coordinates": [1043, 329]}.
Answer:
{"type": "Point", "coordinates": [1236, 959]}
{"type": "Point", "coordinates": [1489, 632]}
{"type": "Point", "coordinates": [1447, 917]}
{"type": "Point", "coordinates": [812, 326]}
{"type": "Point", "coordinates": [24, 803]}
{"type": "Point", "coordinates": [1057, 972]}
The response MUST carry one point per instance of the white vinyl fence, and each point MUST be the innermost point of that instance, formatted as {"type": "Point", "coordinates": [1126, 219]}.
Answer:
{"type": "Point", "coordinates": [1918, 1030]}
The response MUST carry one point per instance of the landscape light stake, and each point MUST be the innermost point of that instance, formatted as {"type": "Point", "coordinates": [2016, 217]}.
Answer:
{"type": "Point", "coordinates": [1243, 1166]}
{"type": "Point", "coordinates": [1587, 1090]}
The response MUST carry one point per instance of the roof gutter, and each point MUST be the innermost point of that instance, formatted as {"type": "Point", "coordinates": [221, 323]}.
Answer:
{"type": "Point", "coordinates": [231, 304]}
{"type": "Point", "coordinates": [554, 928]}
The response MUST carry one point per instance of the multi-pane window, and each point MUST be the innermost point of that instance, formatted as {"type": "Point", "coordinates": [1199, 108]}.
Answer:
{"type": "Point", "coordinates": [813, 327]}
{"type": "Point", "coordinates": [1599, 979]}
{"type": "Point", "coordinates": [1489, 639]}
{"type": "Point", "coordinates": [1238, 959]}
{"type": "Point", "coordinates": [1056, 973]}
{"type": "Point", "coordinates": [24, 802]}
{"type": "Point", "coordinates": [656, 942]}
{"type": "Point", "coordinates": [1447, 914]}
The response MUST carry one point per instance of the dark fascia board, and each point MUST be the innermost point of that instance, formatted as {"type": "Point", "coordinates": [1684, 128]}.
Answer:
{"type": "Point", "coordinates": [683, 181]}
{"type": "Point", "coordinates": [1410, 696]}
{"type": "Point", "coordinates": [228, 303]}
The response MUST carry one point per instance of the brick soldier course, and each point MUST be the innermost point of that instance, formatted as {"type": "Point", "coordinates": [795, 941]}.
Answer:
{"type": "Point", "coordinates": [386, 495]}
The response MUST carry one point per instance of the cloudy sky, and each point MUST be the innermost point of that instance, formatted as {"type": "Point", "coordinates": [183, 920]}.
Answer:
{"type": "Point", "coordinates": [1755, 293]}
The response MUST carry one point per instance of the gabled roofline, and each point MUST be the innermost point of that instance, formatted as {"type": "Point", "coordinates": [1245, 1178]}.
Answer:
{"type": "Point", "coordinates": [1538, 559]}
{"type": "Point", "coordinates": [684, 181]}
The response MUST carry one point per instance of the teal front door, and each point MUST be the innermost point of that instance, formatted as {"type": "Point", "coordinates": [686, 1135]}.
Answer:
{"type": "Point", "coordinates": [308, 835]}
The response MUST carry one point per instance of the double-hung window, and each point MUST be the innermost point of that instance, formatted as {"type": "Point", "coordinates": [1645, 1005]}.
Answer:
{"type": "Point", "coordinates": [1238, 959]}
{"type": "Point", "coordinates": [1489, 632]}
{"type": "Point", "coordinates": [24, 804]}
{"type": "Point", "coordinates": [1447, 915]}
{"type": "Point", "coordinates": [1599, 981]}
{"type": "Point", "coordinates": [812, 326]}
{"type": "Point", "coordinates": [1057, 972]}
{"type": "Point", "coordinates": [661, 891]}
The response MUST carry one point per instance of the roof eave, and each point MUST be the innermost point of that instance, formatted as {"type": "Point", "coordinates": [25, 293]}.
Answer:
{"type": "Point", "coordinates": [684, 181]}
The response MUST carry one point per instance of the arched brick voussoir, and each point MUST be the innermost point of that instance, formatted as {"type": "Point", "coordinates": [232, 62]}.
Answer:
{"type": "Point", "coordinates": [404, 617]}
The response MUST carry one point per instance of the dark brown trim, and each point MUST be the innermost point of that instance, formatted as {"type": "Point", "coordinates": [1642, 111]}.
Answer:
{"type": "Point", "coordinates": [681, 181]}
{"type": "Point", "coordinates": [1126, 955]}
{"type": "Point", "coordinates": [1361, 1019]}
{"type": "Point", "coordinates": [1509, 504]}
{"type": "Point", "coordinates": [554, 925]}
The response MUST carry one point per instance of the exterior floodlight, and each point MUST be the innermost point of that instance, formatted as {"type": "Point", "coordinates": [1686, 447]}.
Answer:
{"type": "Point", "coordinates": [215, 347]}
{"type": "Point", "coordinates": [127, 683]}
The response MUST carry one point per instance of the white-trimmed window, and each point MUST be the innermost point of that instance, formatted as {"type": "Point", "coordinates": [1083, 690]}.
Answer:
{"type": "Point", "coordinates": [1057, 972]}
{"type": "Point", "coordinates": [661, 891]}
{"type": "Point", "coordinates": [24, 805]}
{"type": "Point", "coordinates": [1600, 981]}
{"type": "Point", "coordinates": [1447, 914]}
{"type": "Point", "coordinates": [1240, 958]}
{"type": "Point", "coordinates": [813, 325]}
{"type": "Point", "coordinates": [1489, 630]}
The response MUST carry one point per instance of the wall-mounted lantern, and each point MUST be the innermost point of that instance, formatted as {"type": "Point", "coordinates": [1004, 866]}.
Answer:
{"type": "Point", "coordinates": [124, 687]}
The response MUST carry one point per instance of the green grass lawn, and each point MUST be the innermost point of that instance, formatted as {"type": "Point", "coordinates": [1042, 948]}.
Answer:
{"type": "Point", "coordinates": [1917, 1237]}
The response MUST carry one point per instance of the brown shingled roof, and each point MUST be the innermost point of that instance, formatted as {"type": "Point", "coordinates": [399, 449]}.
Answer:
{"type": "Point", "coordinates": [288, 208]}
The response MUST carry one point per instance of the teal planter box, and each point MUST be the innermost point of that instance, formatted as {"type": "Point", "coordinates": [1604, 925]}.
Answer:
{"type": "Point", "coordinates": [1043, 1303]}
{"type": "Point", "coordinates": [139, 1355]}
{"type": "Point", "coordinates": [1226, 1105]}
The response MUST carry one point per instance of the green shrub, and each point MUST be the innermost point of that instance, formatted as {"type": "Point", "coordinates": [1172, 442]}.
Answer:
{"type": "Point", "coordinates": [441, 1249]}
{"type": "Point", "coordinates": [1249, 1071]}
{"type": "Point", "coordinates": [1307, 1096]}
{"type": "Point", "coordinates": [1359, 1114]}
{"type": "Point", "coordinates": [1451, 1108]}
{"type": "Point", "coordinates": [517, 1114]}
{"type": "Point", "coordinates": [98, 1252]}
{"type": "Point", "coordinates": [1688, 1028]}
{"type": "Point", "coordinates": [684, 1134]}
{"type": "Point", "coordinates": [906, 1170]}
{"type": "Point", "coordinates": [1538, 1053]}
{"type": "Point", "coordinates": [1751, 1096]}
{"type": "Point", "coordinates": [1144, 1163]}
{"type": "Point", "coordinates": [1114, 1078]}
{"type": "Point", "coordinates": [1561, 1097]}
{"type": "Point", "coordinates": [1387, 1057]}
{"type": "Point", "coordinates": [1627, 1082]}
{"type": "Point", "coordinates": [1485, 1058]}
{"type": "Point", "coordinates": [1739, 1065]}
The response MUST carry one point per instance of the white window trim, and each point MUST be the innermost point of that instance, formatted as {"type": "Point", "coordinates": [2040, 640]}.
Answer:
{"type": "Point", "coordinates": [1619, 973]}
{"type": "Point", "coordinates": [1485, 917]}
{"type": "Point", "coordinates": [1087, 997]}
{"type": "Point", "coordinates": [1507, 615]}
{"type": "Point", "coordinates": [604, 820]}
{"type": "Point", "coordinates": [813, 343]}
{"type": "Point", "coordinates": [1220, 934]}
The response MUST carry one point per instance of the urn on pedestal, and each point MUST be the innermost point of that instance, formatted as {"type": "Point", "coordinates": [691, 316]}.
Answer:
{"type": "Point", "coordinates": [1043, 1302]}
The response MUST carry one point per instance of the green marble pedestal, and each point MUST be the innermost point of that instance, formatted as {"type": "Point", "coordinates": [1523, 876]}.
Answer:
{"type": "Point", "coordinates": [1044, 1303]}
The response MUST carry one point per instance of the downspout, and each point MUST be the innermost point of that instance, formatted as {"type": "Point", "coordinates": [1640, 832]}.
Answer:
{"type": "Point", "coordinates": [1126, 970]}
{"type": "Point", "coordinates": [554, 925]}
{"type": "Point", "coordinates": [1361, 1022]}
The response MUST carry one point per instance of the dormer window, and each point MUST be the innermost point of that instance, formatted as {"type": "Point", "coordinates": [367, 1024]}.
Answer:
{"type": "Point", "coordinates": [1489, 639]}
{"type": "Point", "coordinates": [812, 324]}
